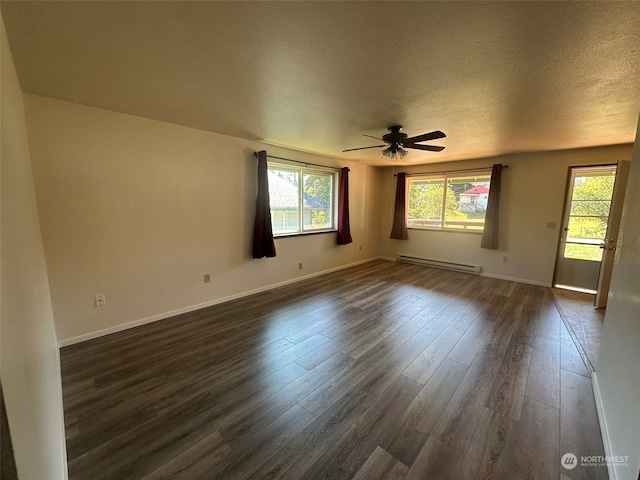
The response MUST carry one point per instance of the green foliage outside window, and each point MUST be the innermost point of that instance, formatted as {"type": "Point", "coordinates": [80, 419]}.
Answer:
{"type": "Point", "coordinates": [318, 188]}
{"type": "Point", "coordinates": [425, 202]}
{"type": "Point", "coordinates": [590, 207]}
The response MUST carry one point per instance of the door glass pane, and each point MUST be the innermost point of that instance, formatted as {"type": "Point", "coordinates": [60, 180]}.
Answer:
{"type": "Point", "coordinates": [593, 186]}
{"type": "Point", "coordinates": [583, 252]}
{"type": "Point", "coordinates": [598, 208]}
{"type": "Point", "coordinates": [592, 228]}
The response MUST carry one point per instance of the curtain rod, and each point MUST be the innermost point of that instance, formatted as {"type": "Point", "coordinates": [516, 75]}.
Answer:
{"type": "Point", "coordinates": [450, 171]}
{"type": "Point", "coordinates": [255, 154]}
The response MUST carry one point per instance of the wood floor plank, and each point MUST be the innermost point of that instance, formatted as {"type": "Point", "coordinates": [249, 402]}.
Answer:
{"type": "Point", "coordinates": [435, 460]}
{"type": "Point", "coordinates": [585, 321]}
{"type": "Point", "coordinates": [259, 411]}
{"type": "Point", "coordinates": [466, 411]}
{"type": "Point", "coordinates": [382, 466]}
{"type": "Point", "coordinates": [508, 389]}
{"type": "Point", "coordinates": [579, 435]}
{"type": "Point", "coordinates": [368, 368]}
{"type": "Point", "coordinates": [431, 357]}
{"type": "Point", "coordinates": [369, 430]}
{"type": "Point", "coordinates": [374, 335]}
{"type": "Point", "coordinates": [250, 449]}
{"type": "Point", "coordinates": [490, 447]}
{"type": "Point", "coordinates": [480, 296]}
{"type": "Point", "coordinates": [544, 375]}
{"type": "Point", "coordinates": [377, 380]}
{"type": "Point", "coordinates": [473, 339]}
{"type": "Point", "coordinates": [144, 448]}
{"type": "Point", "coordinates": [318, 440]}
{"type": "Point", "coordinates": [94, 434]}
{"type": "Point", "coordinates": [570, 358]}
{"type": "Point", "coordinates": [536, 453]}
{"type": "Point", "coordinates": [195, 462]}
{"type": "Point", "coordinates": [153, 380]}
{"type": "Point", "coordinates": [422, 415]}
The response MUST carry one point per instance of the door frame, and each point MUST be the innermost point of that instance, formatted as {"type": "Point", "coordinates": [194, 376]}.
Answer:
{"type": "Point", "coordinates": [610, 243]}
{"type": "Point", "coordinates": [568, 194]}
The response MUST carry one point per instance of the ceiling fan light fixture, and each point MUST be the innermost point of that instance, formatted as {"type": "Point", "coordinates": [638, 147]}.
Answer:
{"type": "Point", "coordinates": [388, 153]}
{"type": "Point", "coordinates": [393, 152]}
{"type": "Point", "coordinates": [398, 143]}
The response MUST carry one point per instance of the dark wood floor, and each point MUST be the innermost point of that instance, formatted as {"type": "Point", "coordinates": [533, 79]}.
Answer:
{"type": "Point", "coordinates": [384, 370]}
{"type": "Point", "coordinates": [583, 321]}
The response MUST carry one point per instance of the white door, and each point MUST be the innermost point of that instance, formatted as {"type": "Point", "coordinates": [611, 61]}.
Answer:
{"type": "Point", "coordinates": [584, 227]}
{"type": "Point", "coordinates": [610, 242]}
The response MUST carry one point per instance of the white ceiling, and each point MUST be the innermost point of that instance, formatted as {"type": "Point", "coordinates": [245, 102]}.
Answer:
{"type": "Point", "coordinates": [497, 77]}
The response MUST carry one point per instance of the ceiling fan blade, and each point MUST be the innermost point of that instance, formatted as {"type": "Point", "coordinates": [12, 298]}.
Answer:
{"type": "Point", "coordinates": [424, 137]}
{"type": "Point", "coordinates": [430, 148]}
{"type": "Point", "coordinates": [363, 148]}
{"type": "Point", "coordinates": [371, 136]}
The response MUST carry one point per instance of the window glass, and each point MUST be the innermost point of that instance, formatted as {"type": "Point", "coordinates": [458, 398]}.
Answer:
{"type": "Point", "coordinates": [466, 202]}
{"type": "Point", "coordinates": [452, 202]}
{"type": "Point", "coordinates": [301, 199]}
{"type": "Point", "coordinates": [317, 201]}
{"type": "Point", "coordinates": [426, 196]}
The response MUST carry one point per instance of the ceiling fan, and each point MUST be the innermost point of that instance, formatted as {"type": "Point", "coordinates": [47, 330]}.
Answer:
{"type": "Point", "coordinates": [397, 142]}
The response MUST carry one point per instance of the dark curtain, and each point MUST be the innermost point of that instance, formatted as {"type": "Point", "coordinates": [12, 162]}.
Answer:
{"type": "Point", "coordinates": [344, 232]}
{"type": "Point", "coordinates": [263, 244]}
{"type": "Point", "coordinates": [7, 458]}
{"type": "Point", "coordinates": [491, 220]}
{"type": "Point", "coordinates": [399, 229]}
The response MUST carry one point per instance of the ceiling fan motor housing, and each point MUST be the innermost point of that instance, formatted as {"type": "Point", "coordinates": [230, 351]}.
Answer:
{"type": "Point", "coordinates": [395, 137]}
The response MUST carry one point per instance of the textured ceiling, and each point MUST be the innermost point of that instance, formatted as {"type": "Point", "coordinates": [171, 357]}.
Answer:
{"type": "Point", "coordinates": [497, 77]}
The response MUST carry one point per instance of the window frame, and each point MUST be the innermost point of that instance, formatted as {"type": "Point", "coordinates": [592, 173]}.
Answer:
{"type": "Point", "coordinates": [445, 178]}
{"type": "Point", "coordinates": [303, 170]}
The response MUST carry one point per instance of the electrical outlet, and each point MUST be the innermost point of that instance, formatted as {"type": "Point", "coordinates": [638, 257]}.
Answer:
{"type": "Point", "coordinates": [505, 259]}
{"type": "Point", "coordinates": [551, 225]}
{"type": "Point", "coordinates": [300, 266]}
{"type": "Point", "coordinates": [207, 277]}
{"type": "Point", "coordinates": [360, 248]}
{"type": "Point", "coordinates": [101, 299]}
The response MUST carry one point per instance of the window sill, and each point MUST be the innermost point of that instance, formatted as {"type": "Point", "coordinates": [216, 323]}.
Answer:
{"type": "Point", "coordinates": [302, 234]}
{"type": "Point", "coordinates": [454, 230]}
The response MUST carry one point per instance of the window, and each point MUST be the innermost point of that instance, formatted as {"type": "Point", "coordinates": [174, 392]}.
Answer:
{"type": "Point", "coordinates": [449, 202]}
{"type": "Point", "coordinates": [302, 199]}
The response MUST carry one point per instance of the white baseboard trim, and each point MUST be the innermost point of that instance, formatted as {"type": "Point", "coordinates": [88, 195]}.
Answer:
{"type": "Point", "coordinates": [518, 280]}
{"type": "Point", "coordinates": [161, 316]}
{"type": "Point", "coordinates": [63, 437]}
{"type": "Point", "coordinates": [604, 430]}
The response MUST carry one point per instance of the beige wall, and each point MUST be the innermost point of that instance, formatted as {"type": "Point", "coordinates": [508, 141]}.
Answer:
{"type": "Point", "coordinates": [140, 210]}
{"type": "Point", "coordinates": [30, 363]}
{"type": "Point", "coordinates": [617, 374]}
{"type": "Point", "coordinates": [532, 195]}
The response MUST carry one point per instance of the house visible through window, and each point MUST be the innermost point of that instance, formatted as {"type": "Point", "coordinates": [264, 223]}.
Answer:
{"type": "Point", "coordinates": [451, 202]}
{"type": "Point", "coordinates": [302, 199]}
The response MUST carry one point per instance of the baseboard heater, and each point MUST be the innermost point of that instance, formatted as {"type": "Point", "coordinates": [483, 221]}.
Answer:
{"type": "Point", "coordinates": [457, 267]}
